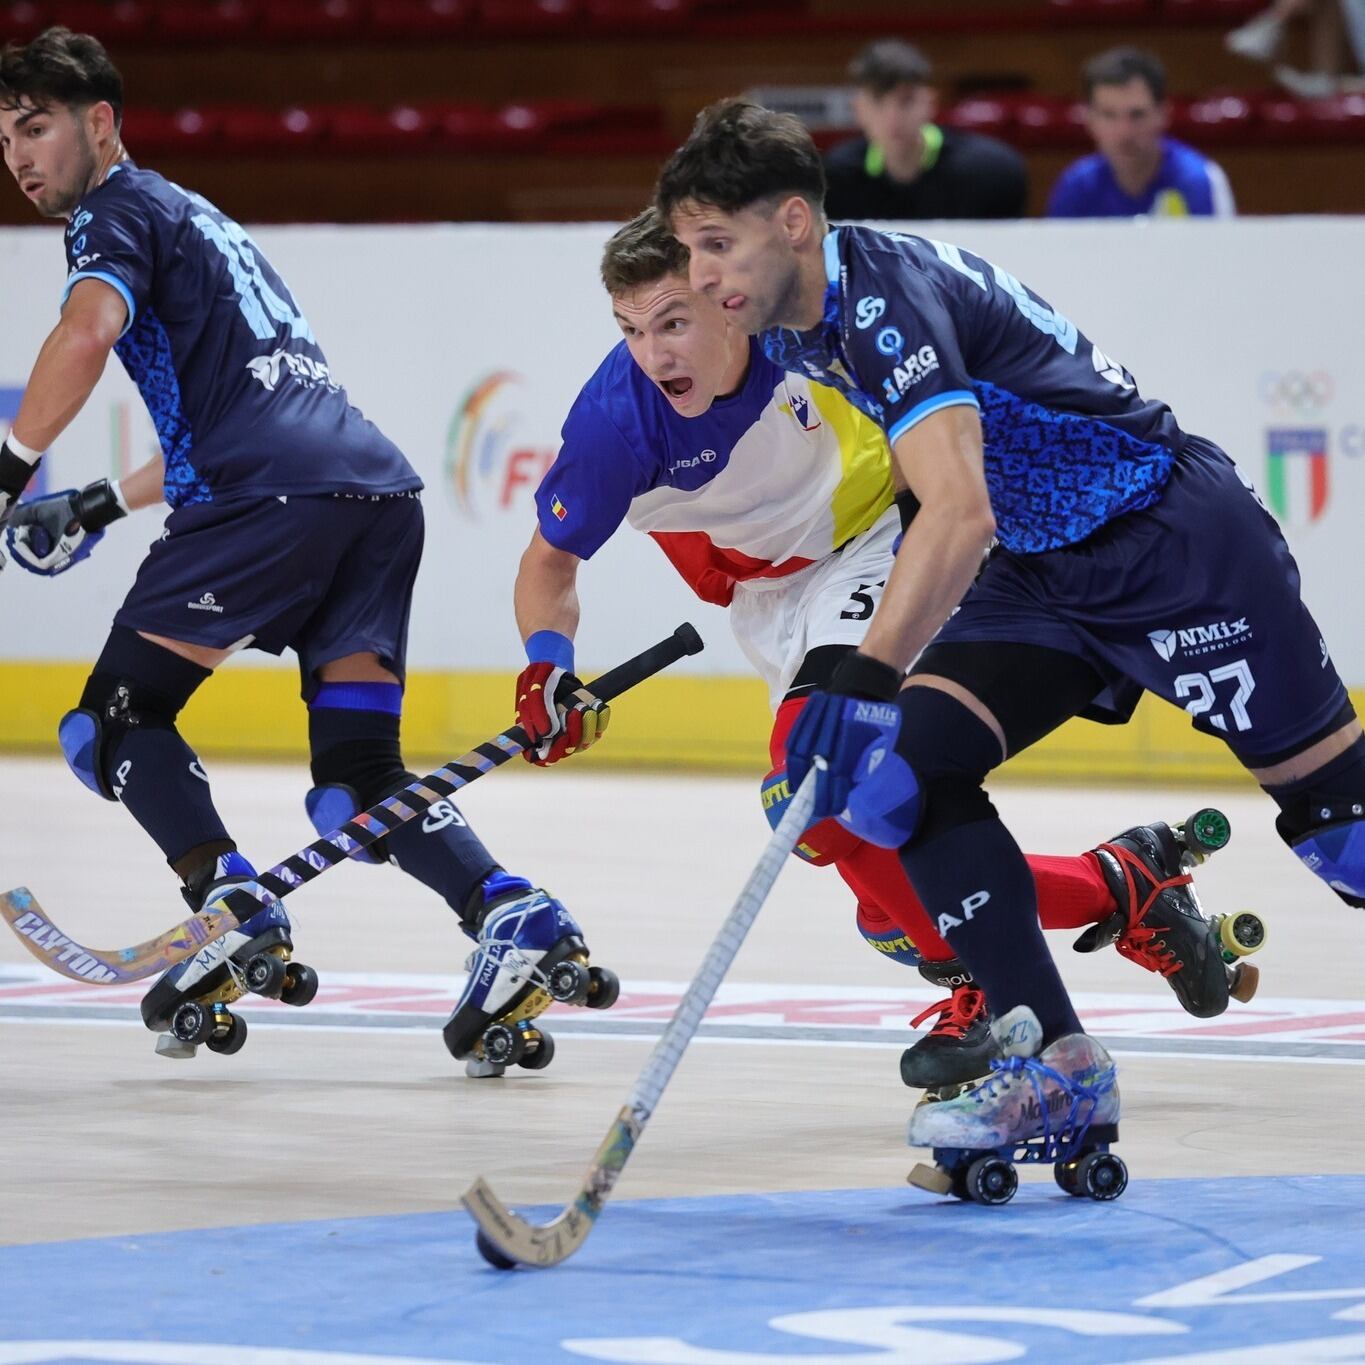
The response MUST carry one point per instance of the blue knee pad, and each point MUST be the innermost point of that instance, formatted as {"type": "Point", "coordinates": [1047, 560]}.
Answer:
{"type": "Point", "coordinates": [81, 737]}
{"type": "Point", "coordinates": [331, 806]}
{"type": "Point", "coordinates": [1336, 851]}
{"type": "Point", "coordinates": [891, 942]}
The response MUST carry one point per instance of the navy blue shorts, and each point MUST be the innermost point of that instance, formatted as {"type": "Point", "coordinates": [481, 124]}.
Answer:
{"type": "Point", "coordinates": [1196, 599]}
{"type": "Point", "coordinates": [326, 576]}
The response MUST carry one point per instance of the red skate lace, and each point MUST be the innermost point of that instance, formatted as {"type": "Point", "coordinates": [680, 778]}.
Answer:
{"type": "Point", "coordinates": [957, 1014]}
{"type": "Point", "coordinates": [1141, 943]}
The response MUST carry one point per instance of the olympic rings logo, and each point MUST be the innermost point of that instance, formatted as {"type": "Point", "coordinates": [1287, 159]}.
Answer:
{"type": "Point", "coordinates": [1295, 390]}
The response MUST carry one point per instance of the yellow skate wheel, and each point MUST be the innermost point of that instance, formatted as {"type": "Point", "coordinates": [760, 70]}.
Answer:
{"type": "Point", "coordinates": [1245, 979]}
{"type": "Point", "coordinates": [1242, 933]}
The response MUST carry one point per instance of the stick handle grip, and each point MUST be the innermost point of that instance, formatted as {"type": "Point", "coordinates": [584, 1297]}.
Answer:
{"type": "Point", "coordinates": [655, 659]}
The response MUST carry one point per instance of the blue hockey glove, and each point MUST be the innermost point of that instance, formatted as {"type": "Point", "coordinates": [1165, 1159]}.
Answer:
{"type": "Point", "coordinates": [852, 724]}
{"type": "Point", "coordinates": [52, 534]}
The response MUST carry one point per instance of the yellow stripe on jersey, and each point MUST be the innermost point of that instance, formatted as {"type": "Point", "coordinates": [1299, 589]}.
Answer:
{"type": "Point", "coordinates": [865, 490]}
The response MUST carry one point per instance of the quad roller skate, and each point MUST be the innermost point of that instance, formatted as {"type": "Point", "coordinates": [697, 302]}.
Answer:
{"type": "Point", "coordinates": [1059, 1106]}
{"type": "Point", "coordinates": [1160, 924]}
{"type": "Point", "coordinates": [960, 1047]}
{"type": "Point", "coordinates": [189, 1003]}
{"type": "Point", "coordinates": [530, 955]}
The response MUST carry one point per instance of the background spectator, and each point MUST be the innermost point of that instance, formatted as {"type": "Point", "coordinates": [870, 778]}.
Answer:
{"type": "Point", "coordinates": [1138, 170]}
{"type": "Point", "coordinates": [1330, 24]}
{"type": "Point", "coordinates": [905, 165]}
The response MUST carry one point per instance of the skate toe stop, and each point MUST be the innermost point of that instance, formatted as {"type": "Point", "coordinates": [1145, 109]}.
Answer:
{"type": "Point", "coordinates": [168, 1045]}
{"type": "Point", "coordinates": [931, 1178]}
{"type": "Point", "coordinates": [479, 1070]}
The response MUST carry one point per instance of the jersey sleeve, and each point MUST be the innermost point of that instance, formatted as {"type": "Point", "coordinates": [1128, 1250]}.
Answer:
{"type": "Point", "coordinates": [113, 242]}
{"type": "Point", "coordinates": [1066, 200]}
{"type": "Point", "coordinates": [587, 491]}
{"type": "Point", "coordinates": [907, 353]}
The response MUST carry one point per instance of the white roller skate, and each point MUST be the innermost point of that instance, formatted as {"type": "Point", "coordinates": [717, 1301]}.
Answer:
{"type": "Point", "coordinates": [189, 1003]}
{"type": "Point", "coordinates": [1060, 1105]}
{"type": "Point", "coordinates": [530, 954]}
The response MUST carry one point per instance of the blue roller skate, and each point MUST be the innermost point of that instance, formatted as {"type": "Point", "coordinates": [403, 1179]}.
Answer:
{"type": "Point", "coordinates": [189, 1003]}
{"type": "Point", "coordinates": [1059, 1105]}
{"type": "Point", "coordinates": [530, 955]}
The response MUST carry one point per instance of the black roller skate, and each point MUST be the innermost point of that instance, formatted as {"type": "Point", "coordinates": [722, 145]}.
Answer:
{"type": "Point", "coordinates": [960, 1047]}
{"type": "Point", "coordinates": [531, 954]}
{"type": "Point", "coordinates": [1160, 924]}
{"type": "Point", "coordinates": [189, 1003]}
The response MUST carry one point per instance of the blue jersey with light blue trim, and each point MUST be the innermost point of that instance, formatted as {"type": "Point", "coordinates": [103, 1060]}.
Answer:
{"type": "Point", "coordinates": [912, 326]}
{"type": "Point", "coordinates": [239, 391]}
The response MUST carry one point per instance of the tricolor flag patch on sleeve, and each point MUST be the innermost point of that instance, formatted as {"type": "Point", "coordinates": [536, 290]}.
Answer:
{"type": "Point", "coordinates": [558, 508]}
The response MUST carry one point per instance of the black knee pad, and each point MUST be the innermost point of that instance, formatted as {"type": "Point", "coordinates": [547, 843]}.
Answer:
{"type": "Point", "coordinates": [1322, 819]}
{"type": "Point", "coordinates": [950, 751]}
{"type": "Point", "coordinates": [135, 684]}
{"type": "Point", "coordinates": [357, 749]}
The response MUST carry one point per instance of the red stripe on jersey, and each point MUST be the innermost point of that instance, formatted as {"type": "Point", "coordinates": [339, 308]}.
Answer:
{"type": "Point", "coordinates": [711, 571]}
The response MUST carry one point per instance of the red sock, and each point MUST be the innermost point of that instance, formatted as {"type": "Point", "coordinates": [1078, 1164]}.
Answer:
{"type": "Point", "coordinates": [1072, 892]}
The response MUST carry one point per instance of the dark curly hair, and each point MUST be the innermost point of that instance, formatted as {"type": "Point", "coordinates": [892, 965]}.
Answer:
{"type": "Point", "coordinates": [59, 67]}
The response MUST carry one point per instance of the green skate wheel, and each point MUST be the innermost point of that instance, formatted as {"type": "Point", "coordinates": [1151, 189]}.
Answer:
{"type": "Point", "coordinates": [1241, 934]}
{"type": "Point", "coordinates": [990, 1180]}
{"type": "Point", "coordinates": [1207, 830]}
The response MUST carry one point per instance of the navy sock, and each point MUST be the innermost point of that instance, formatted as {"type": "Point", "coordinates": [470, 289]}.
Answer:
{"type": "Point", "coordinates": [353, 732]}
{"type": "Point", "coordinates": [976, 884]}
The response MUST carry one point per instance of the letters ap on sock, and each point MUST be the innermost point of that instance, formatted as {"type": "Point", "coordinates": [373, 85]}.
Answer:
{"type": "Point", "coordinates": [220, 352]}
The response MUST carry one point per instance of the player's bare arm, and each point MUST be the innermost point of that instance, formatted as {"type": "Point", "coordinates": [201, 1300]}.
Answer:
{"type": "Point", "coordinates": [545, 595]}
{"type": "Point", "coordinates": [145, 486]}
{"type": "Point", "coordinates": [940, 460]}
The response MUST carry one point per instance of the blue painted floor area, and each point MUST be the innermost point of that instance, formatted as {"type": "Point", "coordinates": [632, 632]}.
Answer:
{"type": "Point", "coordinates": [1268, 1269]}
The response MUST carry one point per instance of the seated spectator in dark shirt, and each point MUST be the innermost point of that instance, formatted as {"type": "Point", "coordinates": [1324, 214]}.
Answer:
{"type": "Point", "coordinates": [905, 165]}
{"type": "Point", "coordinates": [1138, 170]}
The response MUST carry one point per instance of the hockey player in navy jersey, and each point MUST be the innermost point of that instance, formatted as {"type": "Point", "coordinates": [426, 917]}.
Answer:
{"type": "Point", "coordinates": [295, 523]}
{"type": "Point", "coordinates": [1119, 541]}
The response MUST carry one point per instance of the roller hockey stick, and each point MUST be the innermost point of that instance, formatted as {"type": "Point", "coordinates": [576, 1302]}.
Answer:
{"type": "Point", "coordinates": [50, 946]}
{"type": "Point", "coordinates": [504, 1238]}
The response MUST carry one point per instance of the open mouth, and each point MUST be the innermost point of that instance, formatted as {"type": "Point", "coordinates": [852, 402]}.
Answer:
{"type": "Point", "coordinates": [33, 187]}
{"type": "Point", "coordinates": [734, 302]}
{"type": "Point", "coordinates": [677, 388]}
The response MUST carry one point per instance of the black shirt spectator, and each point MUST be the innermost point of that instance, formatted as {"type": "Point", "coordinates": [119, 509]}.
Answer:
{"type": "Point", "coordinates": [963, 175]}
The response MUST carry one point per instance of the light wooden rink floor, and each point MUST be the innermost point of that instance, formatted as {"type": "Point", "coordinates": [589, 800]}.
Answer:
{"type": "Point", "coordinates": [361, 1112]}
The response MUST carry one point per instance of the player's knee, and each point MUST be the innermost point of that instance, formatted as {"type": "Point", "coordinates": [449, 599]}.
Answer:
{"type": "Point", "coordinates": [353, 740]}
{"type": "Point", "coordinates": [1322, 819]}
{"type": "Point", "coordinates": [824, 842]}
{"type": "Point", "coordinates": [950, 750]}
{"type": "Point", "coordinates": [135, 685]}
{"type": "Point", "coordinates": [886, 937]}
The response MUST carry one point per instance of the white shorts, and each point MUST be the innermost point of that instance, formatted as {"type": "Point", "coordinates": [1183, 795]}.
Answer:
{"type": "Point", "coordinates": [778, 621]}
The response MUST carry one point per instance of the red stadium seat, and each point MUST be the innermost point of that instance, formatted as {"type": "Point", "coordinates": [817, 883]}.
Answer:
{"type": "Point", "coordinates": [529, 18]}
{"type": "Point", "coordinates": [154, 132]}
{"type": "Point", "coordinates": [311, 20]}
{"type": "Point", "coordinates": [270, 130]}
{"type": "Point", "coordinates": [981, 114]}
{"type": "Point", "coordinates": [359, 128]}
{"type": "Point", "coordinates": [639, 16]}
{"type": "Point", "coordinates": [1227, 12]}
{"type": "Point", "coordinates": [207, 21]}
{"type": "Point", "coordinates": [1339, 119]}
{"type": "Point", "coordinates": [1103, 11]}
{"type": "Point", "coordinates": [1216, 120]}
{"type": "Point", "coordinates": [465, 127]}
{"type": "Point", "coordinates": [419, 18]}
{"type": "Point", "coordinates": [110, 22]}
{"type": "Point", "coordinates": [22, 20]}
{"type": "Point", "coordinates": [1049, 121]}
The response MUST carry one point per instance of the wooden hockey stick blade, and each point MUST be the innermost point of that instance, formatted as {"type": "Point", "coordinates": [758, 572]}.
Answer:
{"type": "Point", "coordinates": [505, 1239]}
{"type": "Point", "coordinates": [106, 966]}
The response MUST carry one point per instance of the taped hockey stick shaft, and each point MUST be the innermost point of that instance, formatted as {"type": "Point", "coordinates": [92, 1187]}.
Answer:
{"type": "Point", "coordinates": [50, 946]}
{"type": "Point", "coordinates": [507, 1239]}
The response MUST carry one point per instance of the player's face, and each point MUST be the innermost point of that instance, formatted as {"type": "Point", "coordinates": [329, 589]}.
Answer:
{"type": "Point", "coordinates": [681, 340]}
{"type": "Point", "coordinates": [744, 261]}
{"type": "Point", "coordinates": [1126, 121]}
{"type": "Point", "coordinates": [894, 120]}
{"type": "Point", "coordinates": [50, 155]}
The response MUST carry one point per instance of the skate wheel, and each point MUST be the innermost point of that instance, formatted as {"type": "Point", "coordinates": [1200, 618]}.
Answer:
{"type": "Point", "coordinates": [300, 986]}
{"type": "Point", "coordinates": [491, 1254]}
{"type": "Point", "coordinates": [605, 988]}
{"type": "Point", "coordinates": [1101, 1176]}
{"type": "Point", "coordinates": [1064, 1173]}
{"type": "Point", "coordinates": [539, 1057]}
{"type": "Point", "coordinates": [192, 1023]}
{"type": "Point", "coordinates": [501, 1045]}
{"type": "Point", "coordinates": [1207, 831]}
{"type": "Point", "coordinates": [1245, 980]}
{"type": "Point", "coordinates": [932, 1178]}
{"type": "Point", "coordinates": [568, 982]}
{"type": "Point", "coordinates": [233, 1039]}
{"type": "Point", "coordinates": [265, 975]}
{"type": "Point", "coordinates": [989, 1180]}
{"type": "Point", "coordinates": [1241, 934]}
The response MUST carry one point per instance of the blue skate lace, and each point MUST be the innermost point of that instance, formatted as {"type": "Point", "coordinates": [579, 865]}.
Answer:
{"type": "Point", "coordinates": [1074, 1127]}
